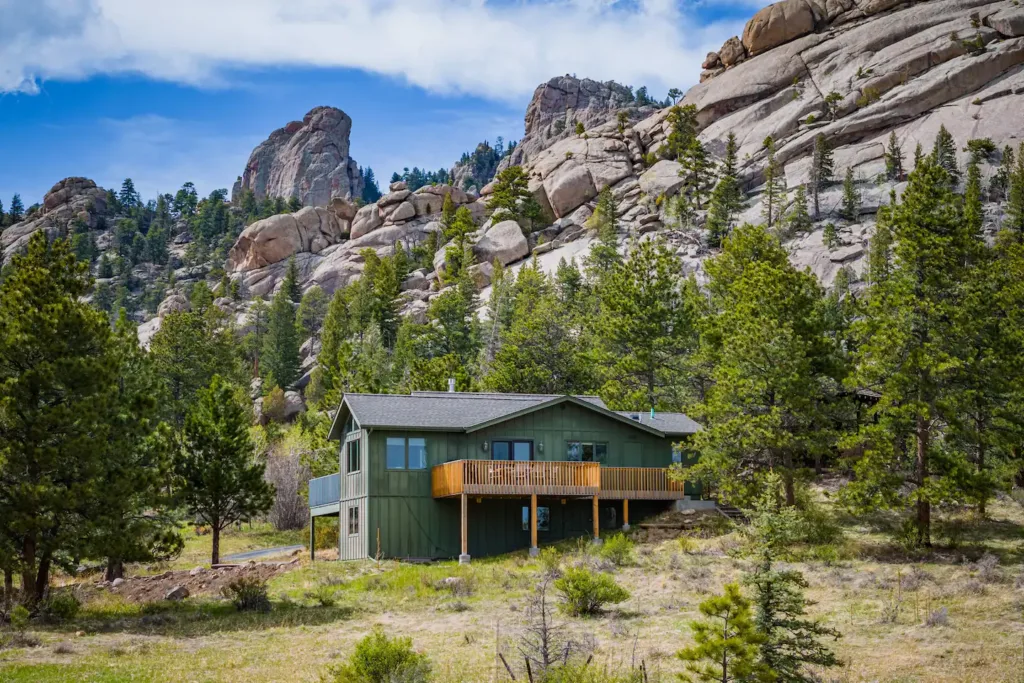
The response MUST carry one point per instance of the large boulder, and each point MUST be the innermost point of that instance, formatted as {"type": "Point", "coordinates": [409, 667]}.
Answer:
{"type": "Point", "coordinates": [308, 159]}
{"type": "Point", "coordinates": [569, 188]}
{"type": "Point", "coordinates": [70, 204]}
{"type": "Point", "coordinates": [661, 179]}
{"type": "Point", "coordinates": [172, 304]}
{"type": "Point", "coordinates": [367, 220]}
{"type": "Point", "coordinates": [503, 242]}
{"type": "Point", "coordinates": [780, 23]}
{"type": "Point", "coordinates": [1009, 22]}
{"type": "Point", "coordinates": [274, 239]}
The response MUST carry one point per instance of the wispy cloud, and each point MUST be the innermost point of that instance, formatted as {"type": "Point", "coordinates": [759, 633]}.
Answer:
{"type": "Point", "coordinates": [498, 50]}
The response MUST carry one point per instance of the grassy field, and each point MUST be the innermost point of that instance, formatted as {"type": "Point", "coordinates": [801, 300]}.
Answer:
{"type": "Point", "coordinates": [953, 614]}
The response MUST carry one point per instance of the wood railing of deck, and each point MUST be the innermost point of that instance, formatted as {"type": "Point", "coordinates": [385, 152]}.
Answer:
{"type": "Point", "coordinates": [639, 483]}
{"type": "Point", "coordinates": [510, 478]}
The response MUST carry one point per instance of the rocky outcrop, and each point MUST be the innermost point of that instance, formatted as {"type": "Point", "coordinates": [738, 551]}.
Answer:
{"type": "Point", "coordinates": [558, 105]}
{"type": "Point", "coordinates": [503, 242]}
{"type": "Point", "coordinates": [308, 159]}
{"type": "Point", "coordinates": [73, 203]}
{"type": "Point", "coordinates": [274, 239]}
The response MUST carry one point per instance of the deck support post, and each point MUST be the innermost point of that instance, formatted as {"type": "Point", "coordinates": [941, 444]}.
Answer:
{"type": "Point", "coordinates": [464, 557]}
{"type": "Point", "coordinates": [597, 524]}
{"type": "Point", "coordinates": [625, 514]}
{"type": "Point", "coordinates": [312, 537]}
{"type": "Point", "coordinates": [534, 550]}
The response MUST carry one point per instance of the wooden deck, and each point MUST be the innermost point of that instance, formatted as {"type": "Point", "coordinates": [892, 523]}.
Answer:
{"type": "Point", "coordinates": [584, 479]}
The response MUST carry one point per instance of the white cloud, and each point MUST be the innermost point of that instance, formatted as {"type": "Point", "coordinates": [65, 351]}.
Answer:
{"type": "Point", "coordinates": [498, 51]}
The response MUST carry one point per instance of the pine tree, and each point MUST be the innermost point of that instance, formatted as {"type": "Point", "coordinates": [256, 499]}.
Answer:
{"type": "Point", "coordinates": [790, 640]}
{"type": "Point", "coordinates": [334, 337]}
{"type": "Point", "coordinates": [999, 184]}
{"type": "Point", "coordinates": [682, 121]}
{"type": "Point", "coordinates": [580, 131]}
{"type": "Point", "coordinates": [294, 204]}
{"type": "Point", "coordinates": [311, 312]}
{"type": "Point", "coordinates": [371, 191]}
{"type": "Point", "coordinates": [604, 253]}
{"type": "Point", "coordinates": [290, 285]}
{"type": "Point", "coordinates": [729, 162]}
{"type": "Point", "coordinates": [893, 159]}
{"type": "Point", "coordinates": [17, 209]}
{"type": "Point", "coordinates": [798, 220]}
{"type": "Point", "coordinates": [696, 174]}
{"type": "Point", "coordinates": [726, 642]}
{"type": "Point", "coordinates": [447, 217]}
{"type": "Point", "coordinates": [3, 218]}
{"type": "Point", "coordinates": [1015, 197]}
{"type": "Point", "coordinates": [774, 186]}
{"type": "Point", "coordinates": [880, 248]}
{"type": "Point", "coordinates": [918, 155]}
{"type": "Point", "coordinates": [830, 237]}
{"type": "Point", "coordinates": [850, 210]}
{"type": "Point", "coordinates": [128, 198]}
{"type": "Point", "coordinates": [905, 343]}
{"type": "Point", "coordinates": [58, 380]}
{"type": "Point", "coordinates": [220, 482]}
{"type": "Point", "coordinates": [974, 212]}
{"type": "Point", "coordinates": [944, 153]}
{"type": "Point", "coordinates": [727, 198]}
{"type": "Point", "coordinates": [511, 198]}
{"type": "Point", "coordinates": [279, 361]}
{"type": "Point", "coordinates": [821, 170]}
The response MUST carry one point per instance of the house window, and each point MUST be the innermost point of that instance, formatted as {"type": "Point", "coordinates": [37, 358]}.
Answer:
{"type": "Point", "coordinates": [512, 450]}
{"type": "Point", "coordinates": [583, 451]}
{"type": "Point", "coordinates": [543, 518]}
{"type": "Point", "coordinates": [677, 453]}
{"type": "Point", "coordinates": [353, 520]}
{"type": "Point", "coordinates": [353, 456]}
{"type": "Point", "coordinates": [406, 454]}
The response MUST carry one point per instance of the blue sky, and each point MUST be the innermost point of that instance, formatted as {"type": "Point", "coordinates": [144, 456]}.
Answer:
{"type": "Point", "coordinates": [166, 92]}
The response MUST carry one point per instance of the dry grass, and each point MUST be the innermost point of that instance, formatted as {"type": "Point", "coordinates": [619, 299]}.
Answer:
{"type": "Point", "coordinates": [952, 615]}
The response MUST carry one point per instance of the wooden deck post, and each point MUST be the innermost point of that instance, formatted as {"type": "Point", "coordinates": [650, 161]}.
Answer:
{"type": "Point", "coordinates": [625, 514]}
{"type": "Point", "coordinates": [464, 557]}
{"type": "Point", "coordinates": [534, 550]}
{"type": "Point", "coordinates": [597, 523]}
{"type": "Point", "coordinates": [312, 537]}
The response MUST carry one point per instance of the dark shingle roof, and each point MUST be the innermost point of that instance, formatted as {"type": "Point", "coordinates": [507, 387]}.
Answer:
{"type": "Point", "coordinates": [444, 411]}
{"type": "Point", "coordinates": [673, 424]}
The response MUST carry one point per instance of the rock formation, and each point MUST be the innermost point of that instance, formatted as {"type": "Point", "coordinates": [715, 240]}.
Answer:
{"type": "Point", "coordinates": [308, 159]}
{"type": "Point", "coordinates": [71, 201]}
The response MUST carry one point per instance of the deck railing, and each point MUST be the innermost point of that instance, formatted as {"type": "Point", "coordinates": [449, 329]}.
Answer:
{"type": "Point", "coordinates": [639, 483]}
{"type": "Point", "coordinates": [501, 477]}
{"type": "Point", "coordinates": [324, 490]}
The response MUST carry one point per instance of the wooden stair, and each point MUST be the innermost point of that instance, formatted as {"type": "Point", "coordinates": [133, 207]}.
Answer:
{"type": "Point", "coordinates": [731, 513]}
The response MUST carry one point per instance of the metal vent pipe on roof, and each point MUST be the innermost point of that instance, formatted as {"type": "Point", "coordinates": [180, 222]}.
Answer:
{"type": "Point", "coordinates": [451, 385]}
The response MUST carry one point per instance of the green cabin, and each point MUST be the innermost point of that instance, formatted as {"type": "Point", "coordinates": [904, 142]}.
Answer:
{"type": "Point", "coordinates": [433, 475]}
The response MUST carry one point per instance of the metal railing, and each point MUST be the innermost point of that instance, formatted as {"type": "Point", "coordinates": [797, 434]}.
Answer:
{"type": "Point", "coordinates": [324, 490]}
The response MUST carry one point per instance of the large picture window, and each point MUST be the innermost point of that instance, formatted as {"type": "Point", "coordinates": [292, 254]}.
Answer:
{"type": "Point", "coordinates": [512, 450]}
{"type": "Point", "coordinates": [543, 518]}
{"type": "Point", "coordinates": [585, 451]}
{"type": "Point", "coordinates": [406, 454]}
{"type": "Point", "coordinates": [352, 451]}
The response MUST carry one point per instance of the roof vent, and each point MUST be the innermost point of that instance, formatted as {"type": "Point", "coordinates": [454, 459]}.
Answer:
{"type": "Point", "coordinates": [635, 416]}
{"type": "Point", "coordinates": [451, 385]}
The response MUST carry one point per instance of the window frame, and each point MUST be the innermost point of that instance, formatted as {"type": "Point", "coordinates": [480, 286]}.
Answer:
{"type": "Point", "coordinates": [593, 445]}
{"type": "Point", "coordinates": [546, 517]}
{"type": "Point", "coordinates": [358, 457]}
{"type": "Point", "coordinates": [353, 520]}
{"type": "Point", "coordinates": [511, 442]}
{"type": "Point", "coordinates": [405, 454]}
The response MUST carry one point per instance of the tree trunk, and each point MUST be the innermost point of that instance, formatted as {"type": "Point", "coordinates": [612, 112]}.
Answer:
{"type": "Point", "coordinates": [924, 509]}
{"type": "Point", "coordinates": [981, 471]}
{"type": "Point", "coordinates": [8, 589]}
{"type": "Point", "coordinates": [787, 479]}
{"type": "Point", "coordinates": [28, 563]}
{"type": "Point", "coordinates": [115, 569]}
{"type": "Point", "coordinates": [43, 576]}
{"type": "Point", "coordinates": [216, 544]}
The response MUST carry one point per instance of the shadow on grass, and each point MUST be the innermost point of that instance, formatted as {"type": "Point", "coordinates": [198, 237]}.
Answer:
{"type": "Point", "coordinates": [202, 618]}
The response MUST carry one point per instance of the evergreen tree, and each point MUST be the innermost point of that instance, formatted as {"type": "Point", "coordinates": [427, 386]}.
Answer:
{"type": "Point", "coordinates": [999, 184]}
{"type": "Point", "coordinates": [312, 311]}
{"type": "Point", "coordinates": [974, 212]}
{"type": "Point", "coordinates": [1015, 197]}
{"type": "Point", "coordinates": [3, 218]}
{"type": "Point", "coordinates": [458, 254]}
{"type": "Point", "coordinates": [821, 170]}
{"type": "Point", "coordinates": [880, 249]}
{"type": "Point", "coordinates": [17, 210]}
{"type": "Point", "coordinates": [682, 121]}
{"type": "Point", "coordinates": [644, 331]}
{"type": "Point", "coordinates": [290, 285]}
{"type": "Point", "coordinates": [186, 200]}
{"type": "Point", "coordinates": [580, 131]}
{"type": "Point", "coordinates": [798, 220]}
{"type": "Point", "coordinates": [57, 389]}
{"type": "Point", "coordinates": [333, 349]}
{"type": "Point", "coordinates": [511, 198]}
{"type": "Point", "coordinates": [893, 159]}
{"type": "Point", "coordinates": [294, 204]}
{"type": "Point", "coordinates": [851, 198]}
{"type": "Point", "coordinates": [696, 174]}
{"type": "Point", "coordinates": [220, 482]}
{"type": "Point", "coordinates": [775, 369]}
{"type": "Point", "coordinates": [371, 191]}
{"type": "Point", "coordinates": [279, 360]}
{"type": "Point", "coordinates": [726, 642]}
{"type": "Point", "coordinates": [944, 153]}
{"type": "Point", "coordinates": [128, 198]}
{"type": "Point", "coordinates": [830, 237]}
{"type": "Point", "coordinates": [604, 253]}
{"type": "Point", "coordinates": [918, 155]}
{"type": "Point", "coordinates": [727, 198]}
{"type": "Point", "coordinates": [200, 298]}
{"type": "Point", "coordinates": [774, 186]}
{"type": "Point", "coordinates": [906, 342]}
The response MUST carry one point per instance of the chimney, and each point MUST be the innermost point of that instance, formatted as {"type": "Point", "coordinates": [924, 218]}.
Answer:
{"type": "Point", "coordinates": [451, 385]}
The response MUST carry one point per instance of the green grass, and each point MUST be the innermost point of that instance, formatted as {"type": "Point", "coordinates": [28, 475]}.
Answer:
{"type": "Point", "coordinates": [198, 549]}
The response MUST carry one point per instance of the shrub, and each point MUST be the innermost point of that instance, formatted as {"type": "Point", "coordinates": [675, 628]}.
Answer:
{"type": "Point", "coordinates": [585, 592]}
{"type": "Point", "coordinates": [379, 659]}
{"type": "Point", "coordinates": [550, 559]}
{"type": "Point", "coordinates": [19, 617]}
{"type": "Point", "coordinates": [323, 595]}
{"type": "Point", "coordinates": [687, 544]}
{"type": "Point", "coordinates": [248, 595]}
{"type": "Point", "coordinates": [60, 606]}
{"type": "Point", "coordinates": [326, 533]}
{"type": "Point", "coordinates": [275, 405]}
{"type": "Point", "coordinates": [939, 617]}
{"type": "Point", "coordinates": [618, 549]}
{"type": "Point", "coordinates": [811, 118]}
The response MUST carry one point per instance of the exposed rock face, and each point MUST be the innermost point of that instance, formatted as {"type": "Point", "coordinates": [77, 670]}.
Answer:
{"type": "Point", "coordinates": [274, 239]}
{"type": "Point", "coordinates": [561, 102]}
{"type": "Point", "coordinates": [504, 242]}
{"type": "Point", "coordinates": [72, 200]}
{"type": "Point", "coordinates": [308, 159]}
{"type": "Point", "coordinates": [780, 23]}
